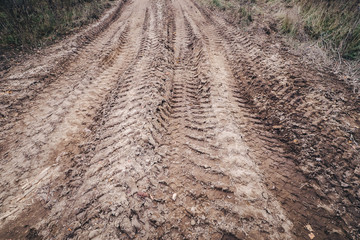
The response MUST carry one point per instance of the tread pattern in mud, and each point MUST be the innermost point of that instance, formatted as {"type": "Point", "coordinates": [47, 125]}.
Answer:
{"type": "Point", "coordinates": [295, 122]}
{"type": "Point", "coordinates": [167, 122]}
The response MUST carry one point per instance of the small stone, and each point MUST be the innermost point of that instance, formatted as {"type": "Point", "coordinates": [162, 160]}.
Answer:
{"type": "Point", "coordinates": [76, 224]}
{"type": "Point", "coordinates": [309, 228]}
{"type": "Point", "coordinates": [174, 196]}
{"type": "Point", "coordinates": [192, 222]}
{"type": "Point", "coordinates": [357, 171]}
{"type": "Point", "coordinates": [93, 234]}
{"type": "Point", "coordinates": [193, 210]}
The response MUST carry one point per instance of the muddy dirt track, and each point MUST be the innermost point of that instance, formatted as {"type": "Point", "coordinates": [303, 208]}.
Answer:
{"type": "Point", "coordinates": [163, 121]}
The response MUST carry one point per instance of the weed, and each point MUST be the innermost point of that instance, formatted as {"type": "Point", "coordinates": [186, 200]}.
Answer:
{"type": "Point", "coordinates": [245, 14]}
{"type": "Point", "coordinates": [288, 25]}
{"type": "Point", "coordinates": [336, 24]}
{"type": "Point", "coordinates": [216, 3]}
{"type": "Point", "coordinates": [32, 23]}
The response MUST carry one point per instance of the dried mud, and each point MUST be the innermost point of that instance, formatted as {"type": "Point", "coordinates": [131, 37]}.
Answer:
{"type": "Point", "coordinates": [164, 121]}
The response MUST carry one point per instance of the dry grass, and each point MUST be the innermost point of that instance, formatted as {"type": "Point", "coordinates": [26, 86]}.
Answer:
{"type": "Point", "coordinates": [334, 24]}
{"type": "Point", "coordinates": [32, 23]}
{"type": "Point", "coordinates": [328, 32]}
{"type": "Point", "coordinates": [240, 11]}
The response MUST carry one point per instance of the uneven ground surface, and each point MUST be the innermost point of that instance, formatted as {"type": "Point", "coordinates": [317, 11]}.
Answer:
{"type": "Point", "coordinates": [163, 121]}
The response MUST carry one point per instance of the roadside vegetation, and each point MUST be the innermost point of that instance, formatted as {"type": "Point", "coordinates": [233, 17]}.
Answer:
{"type": "Point", "coordinates": [241, 11]}
{"type": "Point", "coordinates": [335, 25]}
{"type": "Point", "coordinates": [31, 23]}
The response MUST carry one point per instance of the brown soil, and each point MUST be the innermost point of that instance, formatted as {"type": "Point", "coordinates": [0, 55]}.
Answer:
{"type": "Point", "coordinates": [164, 121]}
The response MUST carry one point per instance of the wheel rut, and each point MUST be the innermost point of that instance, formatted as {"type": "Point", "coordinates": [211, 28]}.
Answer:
{"type": "Point", "coordinates": [278, 92]}
{"type": "Point", "coordinates": [160, 121]}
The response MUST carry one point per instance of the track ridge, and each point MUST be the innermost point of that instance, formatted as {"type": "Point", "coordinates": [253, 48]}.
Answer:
{"type": "Point", "coordinates": [129, 109]}
{"type": "Point", "coordinates": [167, 122]}
{"type": "Point", "coordinates": [267, 81]}
{"type": "Point", "coordinates": [36, 78]}
{"type": "Point", "coordinates": [53, 123]}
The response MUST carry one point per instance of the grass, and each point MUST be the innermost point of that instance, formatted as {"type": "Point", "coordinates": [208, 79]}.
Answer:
{"type": "Point", "coordinates": [335, 24]}
{"type": "Point", "coordinates": [32, 23]}
{"type": "Point", "coordinates": [240, 9]}
{"type": "Point", "coordinates": [218, 4]}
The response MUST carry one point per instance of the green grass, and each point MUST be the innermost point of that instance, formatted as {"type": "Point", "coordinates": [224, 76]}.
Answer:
{"type": "Point", "coordinates": [216, 3]}
{"type": "Point", "coordinates": [31, 23]}
{"type": "Point", "coordinates": [219, 4]}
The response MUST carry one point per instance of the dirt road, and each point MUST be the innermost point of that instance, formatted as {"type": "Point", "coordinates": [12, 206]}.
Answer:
{"type": "Point", "coordinates": [163, 121]}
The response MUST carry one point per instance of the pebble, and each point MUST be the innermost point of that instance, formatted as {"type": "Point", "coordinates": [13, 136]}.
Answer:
{"type": "Point", "coordinates": [93, 234]}
{"type": "Point", "coordinates": [357, 171]}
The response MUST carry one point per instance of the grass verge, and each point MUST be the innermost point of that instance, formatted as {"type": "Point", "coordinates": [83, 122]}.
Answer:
{"type": "Point", "coordinates": [335, 24]}
{"type": "Point", "coordinates": [33, 23]}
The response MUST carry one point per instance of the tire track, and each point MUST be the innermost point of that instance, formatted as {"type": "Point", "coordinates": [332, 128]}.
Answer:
{"type": "Point", "coordinates": [209, 195]}
{"type": "Point", "coordinates": [107, 191]}
{"type": "Point", "coordinates": [22, 83]}
{"type": "Point", "coordinates": [171, 124]}
{"type": "Point", "coordinates": [52, 131]}
{"type": "Point", "coordinates": [269, 78]}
